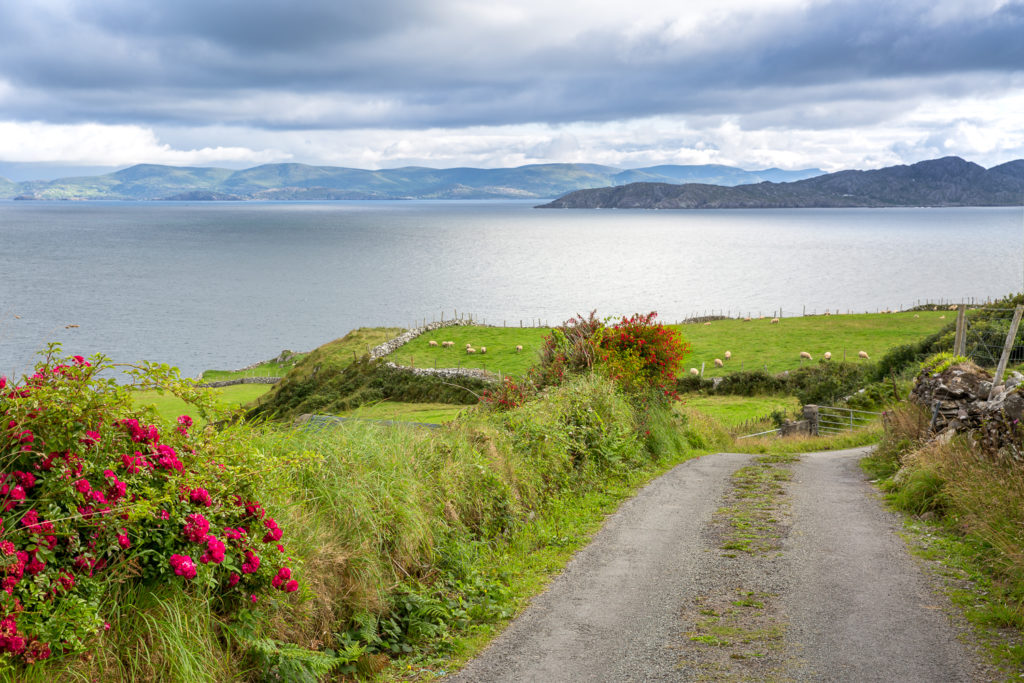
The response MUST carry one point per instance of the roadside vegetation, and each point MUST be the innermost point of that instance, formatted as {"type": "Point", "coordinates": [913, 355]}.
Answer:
{"type": "Point", "coordinates": [402, 545]}
{"type": "Point", "coordinates": [403, 549]}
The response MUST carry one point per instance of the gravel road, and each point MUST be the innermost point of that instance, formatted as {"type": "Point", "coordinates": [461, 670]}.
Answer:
{"type": "Point", "coordinates": [654, 597]}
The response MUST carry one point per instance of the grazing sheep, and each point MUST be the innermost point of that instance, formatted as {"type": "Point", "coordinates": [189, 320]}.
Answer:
{"type": "Point", "coordinates": [707, 324]}
{"type": "Point", "coordinates": [483, 349]}
{"type": "Point", "coordinates": [952, 307]}
{"type": "Point", "coordinates": [863, 354]}
{"type": "Point", "coordinates": [942, 317]}
{"type": "Point", "coordinates": [718, 363]}
{"type": "Point", "coordinates": [746, 320]}
{"type": "Point", "coordinates": [728, 355]}
{"type": "Point", "coordinates": [828, 355]}
{"type": "Point", "coordinates": [774, 320]}
{"type": "Point", "coordinates": [519, 348]}
{"type": "Point", "coordinates": [694, 371]}
{"type": "Point", "coordinates": [470, 350]}
{"type": "Point", "coordinates": [432, 343]}
{"type": "Point", "coordinates": [916, 315]}
{"type": "Point", "coordinates": [804, 354]}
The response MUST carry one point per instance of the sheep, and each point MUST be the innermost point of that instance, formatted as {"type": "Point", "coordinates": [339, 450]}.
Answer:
{"type": "Point", "coordinates": [694, 371]}
{"type": "Point", "coordinates": [728, 355]}
{"type": "Point", "coordinates": [805, 355]}
{"type": "Point", "coordinates": [432, 343]}
{"type": "Point", "coordinates": [519, 348]}
{"type": "Point", "coordinates": [747, 319]}
{"type": "Point", "coordinates": [483, 349]}
{"type": "Point", "coordinates": [718, 363]}
{"type": "Point", "coordinates": [952, 307]}
{"type": "Point", "coordinates": [774, 320]}
{"type": "Point", "coordinates": [470, 350]}
{"type": "Point", "coordinates": [916, 315]}
{"type": "Point", "coordinates": [828, 355]}
{"type": "Point", "coordinates": [863, 354]}
{"type": "Point", "coordinates": [942, 317]}
{"type": "Point", "coordinates": [707, 324]}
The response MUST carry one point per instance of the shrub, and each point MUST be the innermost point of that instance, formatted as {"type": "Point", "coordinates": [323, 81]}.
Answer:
{"type": "Point", "coordinates": [95, 495]}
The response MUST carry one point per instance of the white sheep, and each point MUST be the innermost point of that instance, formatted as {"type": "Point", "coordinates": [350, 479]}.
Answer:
{"type": "Point", "coordinates": [483, 349]}
{"type": "Point", "coordinates": [470, 350]}
{"type": "Point", "coordinates": [718, 363]}
{"type": "Point", "coordinates": [916, 315]}
{"type": "Point", "coordinates": [805, 355]}
{"type": "Point", "coordinates": [746, 320]}
{"type": "Point", "coordinates": [707, 324]}
{"type": "Point", "coordinates": [863, 354]}
{"type": "Point", "coordinates": [952, 307]}
{"type": "Point", "coordinates": [774, 320]}
{"type": "Point", "coordinates": [942, 317]}
{"type": "Point", "coordinates": [728, 355]}
{"type": "Point", "coordinates": [519, 348]}
{"type": "Point", "coordinates": [828, 355]}
{"type": "Point", "coordinates": [694, 371]}
{"type": "Point", "coordinates": [432, 343]}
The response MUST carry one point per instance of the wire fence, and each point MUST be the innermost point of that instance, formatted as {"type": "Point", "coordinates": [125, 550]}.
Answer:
{"type": "Point", "coordinates": [985, 333]}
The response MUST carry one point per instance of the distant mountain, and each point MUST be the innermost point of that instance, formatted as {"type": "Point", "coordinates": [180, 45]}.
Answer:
{"type": "Point", "coordinates": [949, 181]}
{"type": "Point", "coordinates": [304, 182]}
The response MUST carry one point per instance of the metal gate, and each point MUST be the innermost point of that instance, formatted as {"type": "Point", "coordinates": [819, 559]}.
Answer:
{"type": "Point", "coordinates": [834, 420]}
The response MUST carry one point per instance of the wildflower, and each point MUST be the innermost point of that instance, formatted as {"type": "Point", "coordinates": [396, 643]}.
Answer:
{"type": "Point", "coordinates": [201, 497]}
{"type": "Point", "coordinates": [233, 534]}
{"type": "Point", "coordinates": [122, 539]}
{"type": "Point", "coordinates": [82, 486]}
{"type": "Point", "coordinates": [291, 586]}
{"type": "Point", "coordinates": [274, 532]}
{"type": "Point", "coordinates": [90, 439]}
{"type": "Point", "coordinates": [183, 566]}
{"type": "Point", "coordinates": [251, 564]}
{"type": "Point", "coordinates": [164, 515]}
{"type": "Point", "coordinates": [214, 550]}
{"type": "Point", "coordinates": [233, 579]}
{"type": "Point", "coordinates": [196, 528]}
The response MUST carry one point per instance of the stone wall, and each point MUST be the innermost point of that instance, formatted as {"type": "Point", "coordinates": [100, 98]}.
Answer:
{"type": "Point", "coordinates": [401, 340]}
{"type": "Point", "coordinates": [958, 399]}
{"type": "Point", "coordinates": [241, 380]}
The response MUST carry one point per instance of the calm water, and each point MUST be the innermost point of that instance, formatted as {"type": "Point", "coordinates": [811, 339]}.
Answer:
{"type": "Point", "coordinates": [222, 285]}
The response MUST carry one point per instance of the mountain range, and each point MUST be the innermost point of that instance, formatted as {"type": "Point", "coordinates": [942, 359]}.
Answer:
{"type": "Point", "coordinates": [949, 181]}
{"type": "Point", "coordinates": [304, 182]}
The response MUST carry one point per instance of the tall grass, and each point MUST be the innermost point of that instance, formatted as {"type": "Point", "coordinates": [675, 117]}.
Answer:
{"type": "Point", "coordinates": [404, 537]}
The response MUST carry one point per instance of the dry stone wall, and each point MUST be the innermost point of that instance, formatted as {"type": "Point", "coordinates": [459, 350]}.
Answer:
{"type": "Point", "coordinates": [958, 398]}
{"type": "Point", "coordinates": [401, 340]}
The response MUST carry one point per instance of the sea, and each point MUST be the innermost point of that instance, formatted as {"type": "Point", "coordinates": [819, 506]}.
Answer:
{"type": "Point", "coordinates": [225, 284]}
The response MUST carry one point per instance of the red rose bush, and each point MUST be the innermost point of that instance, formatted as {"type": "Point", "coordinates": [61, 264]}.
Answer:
{"type": "Point", "coordinates": [92, 493]}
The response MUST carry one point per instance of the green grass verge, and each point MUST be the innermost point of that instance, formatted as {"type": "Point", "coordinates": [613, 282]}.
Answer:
{"type": "Point", "coordinates": [270, 368]}
{"type": "Point", "coordinates": [758, 343]}
{"type": "Point", "coordinates": [169, 407]}
{"type": "Point", "coordinates": [436, 413]}
{"type": "Point", "coordinates": [500, 343]}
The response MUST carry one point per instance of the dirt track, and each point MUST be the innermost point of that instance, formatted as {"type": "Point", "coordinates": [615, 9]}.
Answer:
{"type": "Point", "coordinates": [776, 571]}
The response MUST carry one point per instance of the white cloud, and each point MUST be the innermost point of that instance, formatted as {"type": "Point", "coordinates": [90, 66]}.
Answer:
{"type": "Point", "coordinates": [111, 145]}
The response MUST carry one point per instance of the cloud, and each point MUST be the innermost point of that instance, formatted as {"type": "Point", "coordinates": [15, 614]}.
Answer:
{"type": "Point", "coordinates": [266, 80]}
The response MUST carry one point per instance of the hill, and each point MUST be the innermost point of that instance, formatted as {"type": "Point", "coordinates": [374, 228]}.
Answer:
{"type": "Point", "coordinates": [304, 182]}
{"type": "Point", "coordinates": [949, 181]}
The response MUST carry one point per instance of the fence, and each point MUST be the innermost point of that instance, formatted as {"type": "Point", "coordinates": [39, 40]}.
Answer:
{"type": "Point", "coordinates": [990, 337]}
{"type": "Point", "coordinates": [835, 420]}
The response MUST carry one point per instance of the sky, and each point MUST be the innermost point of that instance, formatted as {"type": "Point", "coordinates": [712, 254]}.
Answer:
{"type": "Point", "coordinates": [830, 84]}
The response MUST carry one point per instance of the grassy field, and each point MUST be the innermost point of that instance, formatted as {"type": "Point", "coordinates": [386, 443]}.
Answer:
{"type": "Point", "coordinates": [732, 411]}
{"type": "Point", "coordinates": [758, 343]}
{"type": "Point", "coordinates": [433, 413]}
{"type": "Point", "coordinates": [338, 351]}
{"type": "Point", "coordinates": [170, 407]}
{"type": "Point", "coordinates": [500, 343]}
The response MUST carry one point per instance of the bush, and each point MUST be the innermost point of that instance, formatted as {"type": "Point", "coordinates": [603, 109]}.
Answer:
{"type": "Point", "coordinates": [95, 495]}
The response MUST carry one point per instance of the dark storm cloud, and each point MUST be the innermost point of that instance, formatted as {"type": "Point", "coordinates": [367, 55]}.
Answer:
{"type": "Point", "coordinates": [404, 63]}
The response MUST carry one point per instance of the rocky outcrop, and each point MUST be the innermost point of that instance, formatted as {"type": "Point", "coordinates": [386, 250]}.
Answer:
{"type": "Point", "coordinates": [958, 398]}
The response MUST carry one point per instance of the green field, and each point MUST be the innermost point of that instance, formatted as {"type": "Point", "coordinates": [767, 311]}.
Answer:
{"type": "Point", "coordinates": [434, 413]}
{"type": "Point", "coordinates": [733, 411]}
{"type": "Point", "coordinates": [760, 343]}
{"type": "Point", "coordinates": [270, 368]}
{"type": "Point", "coordinates": [170, 407]}
{"type": "Point", "coordinates": [500, 343]}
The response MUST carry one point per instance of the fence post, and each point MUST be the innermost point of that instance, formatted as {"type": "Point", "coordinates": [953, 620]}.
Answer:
{"type": "Point", "coordinates": [811, 415]}
{"type": "Point", "coordinates": [960, 340]}
{"type": "Point", "coordinates": [1007, 347]}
